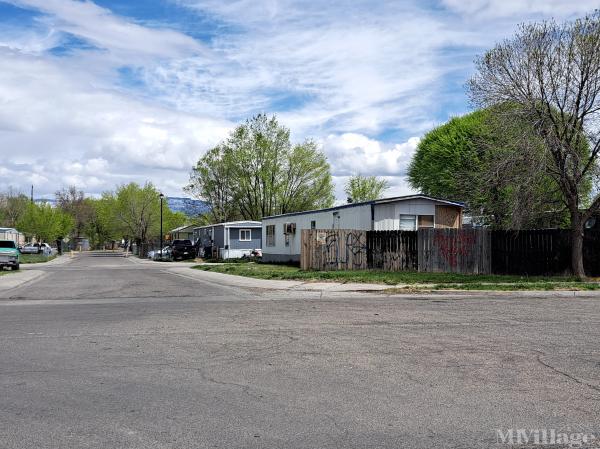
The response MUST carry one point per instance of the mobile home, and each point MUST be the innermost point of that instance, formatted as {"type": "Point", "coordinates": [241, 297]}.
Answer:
{"type": "Point", "coordinates": [229, 240]}
{"type": "Point", "coordinates": [282, 233]}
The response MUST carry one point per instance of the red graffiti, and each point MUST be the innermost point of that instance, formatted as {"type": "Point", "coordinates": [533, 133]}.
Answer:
{"type": "Point", "coordinates": [452, 247]}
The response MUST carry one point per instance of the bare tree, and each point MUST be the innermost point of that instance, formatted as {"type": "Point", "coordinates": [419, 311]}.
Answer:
{"type": "Point", "coordinates": [73, 202]}
{"type": "Point", "coordinates": [551, 72]}
{"type": "Point", "coordinates": [13, 205]}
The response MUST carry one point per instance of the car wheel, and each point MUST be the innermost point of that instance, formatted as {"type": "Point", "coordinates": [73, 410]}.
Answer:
{"type": "Point", "coordinates": [15, 267]}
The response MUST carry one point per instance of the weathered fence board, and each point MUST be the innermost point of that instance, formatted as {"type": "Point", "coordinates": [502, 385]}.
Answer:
{"type": "Point", "coordinates": [454, 251]}
{"type": "Point", "coordinates": [333, 249]}
{"type": "Point", "coordinates": [531, 252]}
{"type": "Point", "coordinates": [475, 251]}
{"type": "Point", "coordinates": [343, 249]}
{"type": "Point", "coordinates": [392, 250]}
{"type": "Point", "coordinates": [542, 252]}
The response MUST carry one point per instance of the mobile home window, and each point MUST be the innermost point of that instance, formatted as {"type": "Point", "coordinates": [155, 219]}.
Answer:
{"type": "Point", "coordinates": [426, 221]}
{"type": "Point", "coordinates": [270, 241]}
{"type": "Point", "coordinates": [408, 222]}
{"type": "Point", "coordinates": [313, 224]}
{"type": "Point", "coordinates": [245, 235]}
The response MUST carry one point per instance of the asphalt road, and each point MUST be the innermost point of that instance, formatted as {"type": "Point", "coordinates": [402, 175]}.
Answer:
{"type": "Point", "coordinates": [106, 353]}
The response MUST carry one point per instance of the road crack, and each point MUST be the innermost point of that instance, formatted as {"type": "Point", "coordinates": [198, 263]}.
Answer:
{"type": "Point", "coordinates": [567, 375]}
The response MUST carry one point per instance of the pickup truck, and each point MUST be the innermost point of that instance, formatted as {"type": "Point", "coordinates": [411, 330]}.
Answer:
{"type": "Point", "coordinates": [9, 255]}
{"type": "Point", "coordinates": [183, 249]}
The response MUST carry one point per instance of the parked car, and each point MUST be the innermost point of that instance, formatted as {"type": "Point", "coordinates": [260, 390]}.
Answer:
{"type": "Point", "coordinates": [165, 254]}
{"type": "Point", "coordinates": [9, 255]}
{"type": "Point", "coordinates": [36, 248]}
{"type": "Point", "coordinates": [183, 249]}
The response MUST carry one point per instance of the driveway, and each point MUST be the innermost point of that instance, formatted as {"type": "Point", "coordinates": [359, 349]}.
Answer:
{"type": "Point", "coordinates": [103, 352]}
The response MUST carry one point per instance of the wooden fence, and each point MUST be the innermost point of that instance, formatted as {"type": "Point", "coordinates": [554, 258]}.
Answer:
{"type": "Point", "coordinates": [531, 252]}
{"type": "Point", "coordinates": [542, 252]}
{"type": "Point", "coordinates": [333, 249]}
{"type": "Point", "coordinates": [392, 250]}
{"type": "Point", "coordinates": [451, 250]}
{"type": "Point", "coordinates": [454, 251]}
{"type": "Point", "coordinates": [476, 251]}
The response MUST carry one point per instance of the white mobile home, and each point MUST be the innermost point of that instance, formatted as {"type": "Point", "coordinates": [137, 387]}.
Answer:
{"type": "Point", "coordinates": [12, 234]}
{"type": "Point", "coordinates": [282, 233]}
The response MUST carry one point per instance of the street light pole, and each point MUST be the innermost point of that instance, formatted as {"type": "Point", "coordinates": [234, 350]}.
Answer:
{"type": "Point", "coordinates": [161, 229]}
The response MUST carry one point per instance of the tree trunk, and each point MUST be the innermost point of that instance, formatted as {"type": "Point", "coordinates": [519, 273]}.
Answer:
{"type": "Point", "coordinates": [577, 245]}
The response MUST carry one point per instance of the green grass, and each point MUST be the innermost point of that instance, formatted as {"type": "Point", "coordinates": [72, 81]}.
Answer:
{"type": "Point", "coordinates": [35, 258]}
{"type": "Point", "coordinates": [436, 281]}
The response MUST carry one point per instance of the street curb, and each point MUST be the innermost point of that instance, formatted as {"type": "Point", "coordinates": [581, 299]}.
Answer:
{"type": "Point", "coordinates": [380, 289]}
{"type": "Point", "coordinates": [58, 260]}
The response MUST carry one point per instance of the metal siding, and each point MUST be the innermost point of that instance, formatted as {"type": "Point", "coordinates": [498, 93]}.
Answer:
{"type": "Point", "coordinates": [219, 237]}
{"type": "Point", "coordinates": [235, 243]}
{"type": "Point", "coordinates": [358, 217]}
{"type": "Point", "coordinates": [387, 216]}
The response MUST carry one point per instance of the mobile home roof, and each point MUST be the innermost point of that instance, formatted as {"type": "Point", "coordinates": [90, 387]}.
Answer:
{"type": "Point", "coordinates": [365, 203]}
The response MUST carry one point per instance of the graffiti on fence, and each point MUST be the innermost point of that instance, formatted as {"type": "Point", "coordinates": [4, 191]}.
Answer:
{"type": "Point", "coordinates": [451, 246]}
{"type": "Point", "coordinates": [344, 249]}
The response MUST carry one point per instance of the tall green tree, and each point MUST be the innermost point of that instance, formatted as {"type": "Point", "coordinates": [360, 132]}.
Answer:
{"type": "Point", "coordinates": [133, 211]}
{"type": "Point", "coordinates": [552, 72]}
{"type": "Point", "coordinates": [45, 223]}
{"type": "Point", "coordinates": [365, 188]}
{"type": "Point", "coordinates": [136, 209]}
{"type": "Point", "coordinates": [465, 160]}
{"type": "Point", "coordinates": [103, 227]}
{"type": "Point", "coordinates": [257, 172]}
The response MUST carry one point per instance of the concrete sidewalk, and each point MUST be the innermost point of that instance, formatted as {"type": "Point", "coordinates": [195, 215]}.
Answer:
{"type": "Point", "coordinates": [274, 284]}
{"type": "Point", "coordinates": [14, 280]}
{"type": "Point", "coordinates": [338, 287]}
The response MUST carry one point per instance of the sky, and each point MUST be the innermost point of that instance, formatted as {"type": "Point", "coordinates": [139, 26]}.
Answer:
{"type": "Point", "coordinates": [100, 93]}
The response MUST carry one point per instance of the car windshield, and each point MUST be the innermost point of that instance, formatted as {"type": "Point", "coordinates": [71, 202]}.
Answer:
{"type": "Point", "coordinates": [7, 244]}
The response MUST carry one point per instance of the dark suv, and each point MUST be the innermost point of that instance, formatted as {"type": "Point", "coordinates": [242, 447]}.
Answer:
{"type": "Point", "coordinates": [183, 249]}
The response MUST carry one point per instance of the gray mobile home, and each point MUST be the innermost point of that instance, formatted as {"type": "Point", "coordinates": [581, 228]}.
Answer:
{"type": "Point", "coordinates": [229, 240]}
{"type": "Point", "coordinates": [282, 233]}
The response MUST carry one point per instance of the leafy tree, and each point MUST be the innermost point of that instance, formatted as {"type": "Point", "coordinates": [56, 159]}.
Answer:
{"type": "Point", "coordinates": [136, 208]}
{"type": "Point", "coordinates": [257, 172]}
{"type": "Point", "coordinates": [73, 202]}
{"type": "Point", "coordinates": [365, 188]}
{"type": "Point", "coordinates": [552, 72]}
{"type": "Point", "coordinates": [133, 211]}
{"type": "Point", "coordinates": [103, 226]}
{"type": "Point", "coordinates": [464, 160]}
{"type": "Point", "coordinates": [45, 223]}
{"type": "Point", "coordinates": [12, 207]}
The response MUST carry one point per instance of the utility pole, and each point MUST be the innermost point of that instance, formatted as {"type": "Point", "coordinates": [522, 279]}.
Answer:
{"type": "Point", "coordinates": [32, 193]}
{"type": "Point", "coordinates": [161, 227]}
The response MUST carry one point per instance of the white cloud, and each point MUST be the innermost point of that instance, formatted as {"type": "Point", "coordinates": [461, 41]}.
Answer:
{"type": "Point", "coordinates": [523, 8]}
{"type": "Point", "coordinates": [100, 27]}
{"type": "Point", "coordinates": [351, 153]}
{"type": "Point", "coordinates": [56, 131]}
{"type": "Point", "coordinates": [345, 72]}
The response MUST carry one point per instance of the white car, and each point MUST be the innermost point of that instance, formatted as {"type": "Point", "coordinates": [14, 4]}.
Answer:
{"type": "Point", "coordinates": [156, 254]}
{"type": "Point", "coordinates": [36, 248]}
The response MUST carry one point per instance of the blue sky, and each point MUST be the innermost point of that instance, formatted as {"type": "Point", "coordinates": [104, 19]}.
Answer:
{"type": "Point", "coordinates": [101, 93]}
